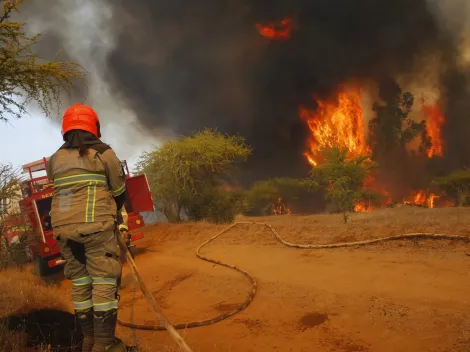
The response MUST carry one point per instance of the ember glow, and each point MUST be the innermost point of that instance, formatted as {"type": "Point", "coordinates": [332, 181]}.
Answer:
{"type": "Point", "coordinates": [279, 208]}
{"type": "Point", "coordinates": [362, 207]}
{"type": "Point", "coordinates": [422, 199]}
{"type": "Point", "coordinates": [434, 121]}
{"type": "Point", "coordinates": [336, 123]}
{"type": "Point", "coordinates": [430, 201]}
{"type": "Point", "coordinates": [276, 31]}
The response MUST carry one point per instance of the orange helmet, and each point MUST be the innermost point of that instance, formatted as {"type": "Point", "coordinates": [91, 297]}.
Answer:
{"type": "Point", "coordinates": [81, 117]}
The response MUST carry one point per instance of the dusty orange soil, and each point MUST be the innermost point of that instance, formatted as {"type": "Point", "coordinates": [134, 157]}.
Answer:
{"type": "Point", "coordinates": [399, 296]}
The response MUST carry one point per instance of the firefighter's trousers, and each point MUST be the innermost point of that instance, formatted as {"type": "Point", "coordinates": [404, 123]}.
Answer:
{"type": "Point", "coordinates": [91, 252]}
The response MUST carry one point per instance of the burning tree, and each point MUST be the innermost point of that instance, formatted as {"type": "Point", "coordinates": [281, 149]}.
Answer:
{"type": "Point", "coordinates": [392, 128]}
{"type": "Point", "coordinates": [338, 121]}
{"type": "Point", "coordinates": [434, 121]}
{"type": "Point", "coordinates": [342, 177]}
{"type": "Point", "coordinates": [26, 77]}
{"type": "Point", "coordinates": [188, 174]}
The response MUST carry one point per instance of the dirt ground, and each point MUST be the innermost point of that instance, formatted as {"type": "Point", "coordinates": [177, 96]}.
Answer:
{"type": "Point", "coordinates": [397, 296]}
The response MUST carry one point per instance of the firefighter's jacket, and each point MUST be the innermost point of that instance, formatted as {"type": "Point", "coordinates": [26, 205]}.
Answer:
{"type": "Point", "coordinates": [84, 187]}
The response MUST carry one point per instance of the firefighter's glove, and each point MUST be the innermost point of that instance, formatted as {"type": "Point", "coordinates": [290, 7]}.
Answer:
{"type": "Point", "coordinates": [123, 228]}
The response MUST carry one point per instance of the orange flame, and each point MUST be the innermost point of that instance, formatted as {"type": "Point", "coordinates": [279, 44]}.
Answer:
{"type": "Point", "coordinates": [362, 207]}
{"type": "Point", "coordinates": [336, 123]}
{"type": "Point", "coordinates": [430, 201]}
{"type": "Point", "coordinates": [420, 198]}
{"type": "Point", "coordinates": [274, 31]}
{"type": "Point", "coordinates": [279, 208]}
{"type": "Point", "coordinates": [434, 121]}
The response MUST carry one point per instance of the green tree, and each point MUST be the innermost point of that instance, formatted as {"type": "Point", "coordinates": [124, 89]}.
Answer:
{"type": "Point", "coordinates": [263, 194]}
{"type": "Point", "coordinates": [9, 191]}
{"type": "Point", "coordinates": [183, 173]}
{"type": "Point", "coordinates": [342, 178]}
{"type": "Point", "coordinates": [456, 185]}
{"type": "Point", "coordinates": [26, 77]}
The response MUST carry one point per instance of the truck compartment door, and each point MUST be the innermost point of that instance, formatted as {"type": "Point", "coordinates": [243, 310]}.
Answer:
{"type": "Point", "coordinates": [139, 195]}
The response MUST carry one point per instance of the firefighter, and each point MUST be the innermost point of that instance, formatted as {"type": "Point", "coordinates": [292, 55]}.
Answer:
{"type": "Point", "coordinates": [89, 187]}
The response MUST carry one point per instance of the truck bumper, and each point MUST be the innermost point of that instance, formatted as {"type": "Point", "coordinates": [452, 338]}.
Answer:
{"type": "Point", "coordinates": [137, 236]}
{"type": "Point", "coordinates": [52, 263]}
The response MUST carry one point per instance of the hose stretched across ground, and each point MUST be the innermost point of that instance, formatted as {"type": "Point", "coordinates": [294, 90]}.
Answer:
{"type": "Point", "coordinates": [252, 293]}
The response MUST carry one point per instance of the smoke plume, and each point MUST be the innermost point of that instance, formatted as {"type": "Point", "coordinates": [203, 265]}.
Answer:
{"type": "Point", "coordinates": [177, 67]}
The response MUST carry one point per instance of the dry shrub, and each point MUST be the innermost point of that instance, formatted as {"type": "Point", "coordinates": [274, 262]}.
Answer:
{"type": "Point", "coordinates": [22, 292]}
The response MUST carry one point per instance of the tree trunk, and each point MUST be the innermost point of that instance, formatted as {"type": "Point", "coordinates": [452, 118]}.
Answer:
{"type": "Point", "coordinates": [345, 217]}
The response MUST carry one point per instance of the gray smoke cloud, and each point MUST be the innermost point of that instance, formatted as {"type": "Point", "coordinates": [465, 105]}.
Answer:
{"type": "Point", "coordinates": [159, 68]}
{"type": "Point", "coordinates": [83, 31]}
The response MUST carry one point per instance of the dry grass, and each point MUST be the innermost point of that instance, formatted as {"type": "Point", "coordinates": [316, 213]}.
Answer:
{"type": "Point", "coordinates": [321, 228]}
{"type": "Point", "coordinates": [22, 292]}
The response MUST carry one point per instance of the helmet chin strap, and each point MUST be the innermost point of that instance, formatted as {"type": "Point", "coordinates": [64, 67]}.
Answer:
{"type": "Point", "coordinates": [99, 130]}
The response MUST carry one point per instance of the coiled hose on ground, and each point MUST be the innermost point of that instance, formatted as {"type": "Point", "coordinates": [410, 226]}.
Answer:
{"type": "Point", "coordinates": [252, 293]}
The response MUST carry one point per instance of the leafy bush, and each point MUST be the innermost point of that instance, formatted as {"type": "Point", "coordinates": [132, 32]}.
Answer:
{"type": "Point", "coordinates": [456, 185]}
{"type": "Point", "coordinates": [343, 178]}
{"type": "Point", "coordinates": [226, 205]}
{"type": "Point", "coordinates": [217, 205]}
{"type": "Point", "coordinates": [288, 192]}
{"type": "Point", "coordinates": [183, 173]}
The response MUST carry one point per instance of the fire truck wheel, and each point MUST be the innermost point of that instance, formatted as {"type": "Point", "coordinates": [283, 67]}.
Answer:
{"type": "Point", "coordinates": [42, 269]}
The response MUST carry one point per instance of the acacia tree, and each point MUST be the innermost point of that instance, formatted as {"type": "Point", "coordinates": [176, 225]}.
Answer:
{"type": "Point", "coordinates": [342, 178]}
{"type": "Point", "coordinates": [26, 77]}
{"type": "Point", "coordinates": [186, 173]}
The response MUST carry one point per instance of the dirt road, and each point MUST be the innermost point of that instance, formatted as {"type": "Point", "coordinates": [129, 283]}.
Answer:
{"type": "Point", "coordinates": [401, 296]}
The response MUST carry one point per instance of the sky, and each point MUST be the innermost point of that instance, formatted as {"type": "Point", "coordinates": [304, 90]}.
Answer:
{"type": "Point", "coordinates": [34, 137]}
{"type": "Point", "coordinates": [28, 139]}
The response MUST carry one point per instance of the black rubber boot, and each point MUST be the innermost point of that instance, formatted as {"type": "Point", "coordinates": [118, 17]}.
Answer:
{"type": "Point", "coordinates": [105, 326]}
{"type": "Point", "coordinates": [86, 322]}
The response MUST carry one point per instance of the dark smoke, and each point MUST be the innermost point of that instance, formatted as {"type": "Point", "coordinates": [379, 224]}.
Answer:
{"type": "Point", "coordinates": [201, 63]}
{"type": "Point", "coordinates": [187, 65]}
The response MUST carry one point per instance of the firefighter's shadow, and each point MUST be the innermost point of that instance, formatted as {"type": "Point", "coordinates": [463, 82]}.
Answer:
{"type": "Point", "coordinates": [50, 327]}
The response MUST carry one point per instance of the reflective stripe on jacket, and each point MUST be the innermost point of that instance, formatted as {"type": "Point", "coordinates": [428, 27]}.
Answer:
{"type": "Point", "coordinates": [84, 187]}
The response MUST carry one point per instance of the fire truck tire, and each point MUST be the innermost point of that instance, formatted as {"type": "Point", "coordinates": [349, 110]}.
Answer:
{"type": "Point", "coordinates": [42, 269]}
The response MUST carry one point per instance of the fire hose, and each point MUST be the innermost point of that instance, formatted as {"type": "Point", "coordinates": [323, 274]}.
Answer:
{"type": "Point", "coordinates": [151, 300]}
{"type": "Point", "coordinates": [252, 293]}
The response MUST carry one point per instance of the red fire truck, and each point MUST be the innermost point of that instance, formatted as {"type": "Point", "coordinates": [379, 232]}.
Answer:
{"type": "Point", "coordinates": [37, 194]}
